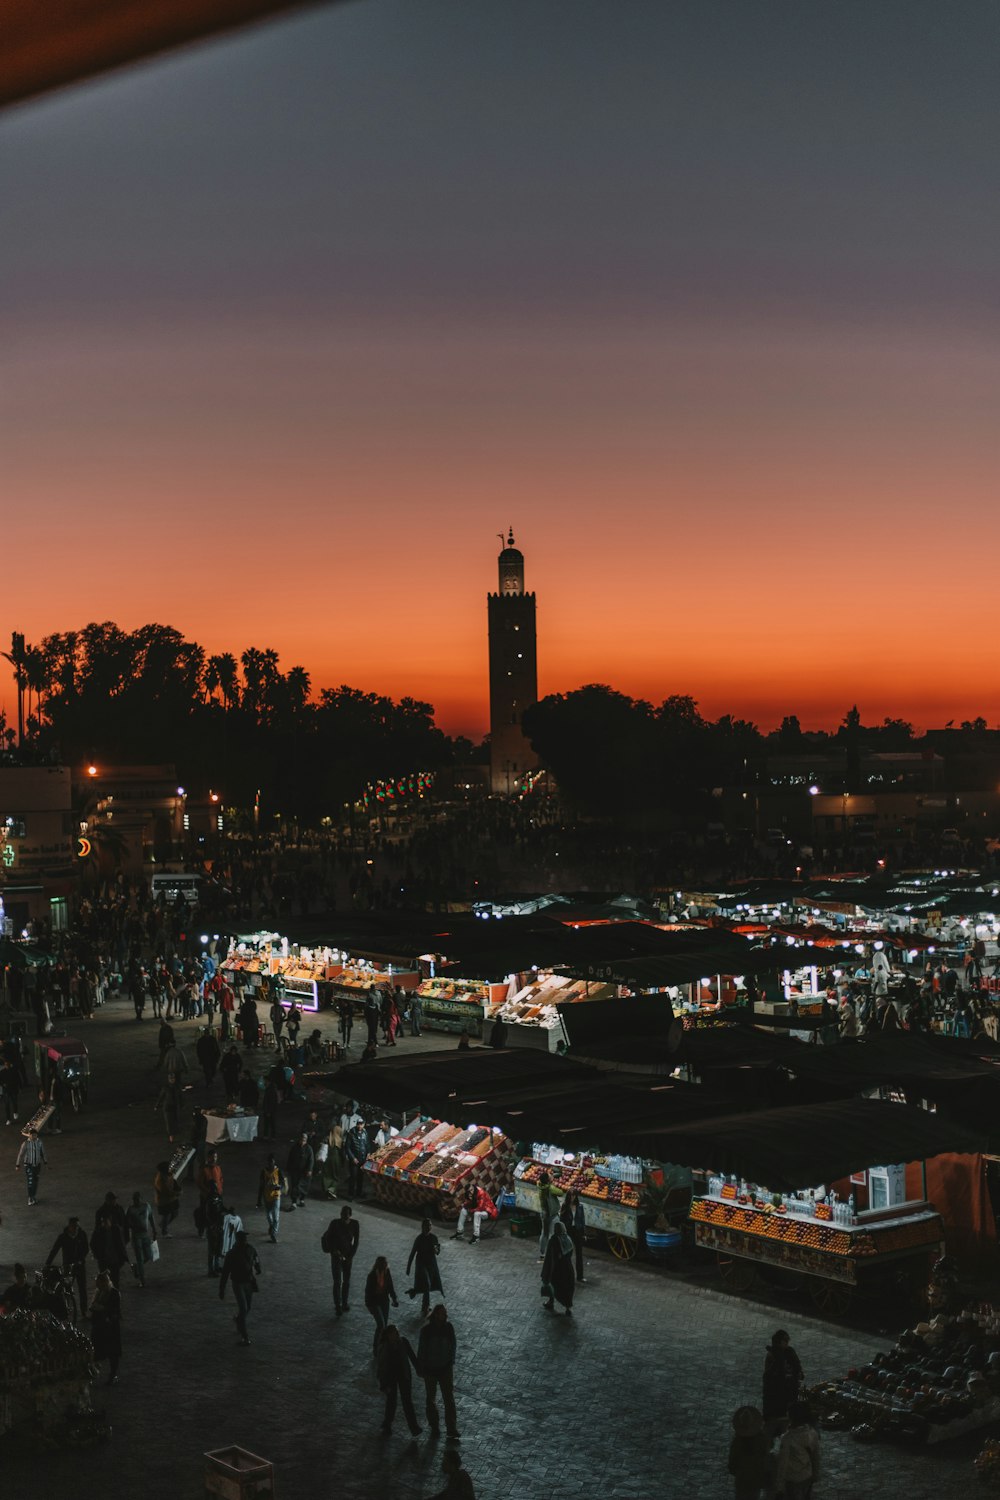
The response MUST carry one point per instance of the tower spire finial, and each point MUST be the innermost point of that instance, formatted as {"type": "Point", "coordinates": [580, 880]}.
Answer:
{"type": "Point", "coordinates": [510, 536]}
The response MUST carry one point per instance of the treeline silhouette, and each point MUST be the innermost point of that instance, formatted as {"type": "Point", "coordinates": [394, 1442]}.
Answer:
{"type": "Point", "coordinates": [243, 723]}
{"type": "Point", "coordinates": [612, 754]}
{"type": "Point", "coordinates": [233, 723]}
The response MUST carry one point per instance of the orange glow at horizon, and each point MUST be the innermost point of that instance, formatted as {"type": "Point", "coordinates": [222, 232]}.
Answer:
{"type": "Point", "coordinates": [779, 535]}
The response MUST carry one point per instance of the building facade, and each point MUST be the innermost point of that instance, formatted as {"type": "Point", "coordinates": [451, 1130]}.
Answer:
{"type": "Point", "coordinates": [513, 673]}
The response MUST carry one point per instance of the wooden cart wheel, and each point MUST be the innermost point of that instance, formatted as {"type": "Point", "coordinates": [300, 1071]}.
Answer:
{"type": "Point", "coordinates": [622, 1247]}
{"type": "Point", "coordinates": [736, 1274]}
{"type": "Point", "coordinates": [831, 1297]}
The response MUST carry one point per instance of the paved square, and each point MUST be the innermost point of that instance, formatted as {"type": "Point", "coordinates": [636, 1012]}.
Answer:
{"type": "Point", "coordinates": [629, 1399]}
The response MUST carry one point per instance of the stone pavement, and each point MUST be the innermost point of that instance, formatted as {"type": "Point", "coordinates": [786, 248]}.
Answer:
{"type": "Point", "coordinates": [629, 1399]}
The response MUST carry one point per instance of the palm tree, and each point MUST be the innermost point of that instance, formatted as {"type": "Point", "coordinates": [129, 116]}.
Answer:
{"type": "Point", "coordinates": [36, 677]}
{"type": "Point", "coordinates": [297, 686]}
{"type": "Point", "coordinates": [229, 679]}
{"type": "Point", "coordinates": [16, 657]}
{"type": "Point", "coordinates": [253, 677]}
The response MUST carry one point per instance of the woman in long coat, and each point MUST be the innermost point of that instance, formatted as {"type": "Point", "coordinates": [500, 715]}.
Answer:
{"type": "Point", "coordinates": [558, 1276]}
{"type": "Point", "coordinates": [379, 1292]}
{"type": "Point", "coordinates": [426, 1278]}
{"type": "Point", "coordinates": [782, 1378]}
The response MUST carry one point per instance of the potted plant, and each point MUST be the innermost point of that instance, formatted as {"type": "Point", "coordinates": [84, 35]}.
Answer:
{"type": "Point", "coordinates": [661, 1236]}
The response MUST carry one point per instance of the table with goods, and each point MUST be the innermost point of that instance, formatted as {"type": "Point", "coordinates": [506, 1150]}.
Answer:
{"type": "Point", "coordinates": [431, 1163]}
{"type": "Point", "coordinates": [813, 1235]}
{"type": "Point", "coordinates": [940, 1380]}
{"type": "Point", "coordinates": [230, 1124]}
{"type": "Point", "coordinates": [46, 1369]}
{"type": "Point", "coordinates": [454, 1005]}
{"type": "Point", "coordinates": [532, 1016]}
{"type": "Point", "coordinates": [610, 1189]}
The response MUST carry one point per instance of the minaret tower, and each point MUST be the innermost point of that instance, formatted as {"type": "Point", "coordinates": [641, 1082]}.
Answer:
{"type": "Point", "coordinates": [513, 672]}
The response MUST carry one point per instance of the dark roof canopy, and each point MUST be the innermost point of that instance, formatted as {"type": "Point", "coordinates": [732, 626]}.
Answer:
{"type": "Point", "coordinates": [49, 43]}
{"type": "Point", "coordinates": [529, 1095]}
{"type": "Point", "coordinates": [810, 1144]}
{"type": "Point", "coordinates": [534, 1096]}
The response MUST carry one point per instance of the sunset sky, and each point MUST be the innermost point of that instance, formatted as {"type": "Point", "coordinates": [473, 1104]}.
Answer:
{"type": "Point", "coordinates": [701, 298]}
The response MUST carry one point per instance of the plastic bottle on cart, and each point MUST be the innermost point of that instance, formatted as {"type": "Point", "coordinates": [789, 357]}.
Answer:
{"type": "Point", "coordinates": [853, 1208]}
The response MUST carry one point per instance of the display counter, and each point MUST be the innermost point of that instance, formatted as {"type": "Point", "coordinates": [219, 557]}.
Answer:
{"type": "Point", "coordinates": [355, 980]}
{"type": "Point", "coordinates": [531, 1016]}
{"type": "Point", "coordinates": [610, 1205]}
{"type": "Point", "coordinates": [818, 1240]}
{"type": "Point", "coordinates": [430, 1164]}
{"type": "Point", "coordinates": [456, 1005]}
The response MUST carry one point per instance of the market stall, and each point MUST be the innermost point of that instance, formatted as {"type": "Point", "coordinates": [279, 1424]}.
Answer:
{"type": "Point", "coordinates": [431, 1163]}
{"type": "Point", "coordinates": [457, 1005]}
{"type": "Point", "coordinates": [268, 965]}
{"type": "Point", "coordinates": [794, 1189]}
{"type": "Point", "coordinates": [358, 976]}
{"type": "Point", "coordinates": [532, 1015]}
{"type": "Point", "coordinates": [941, 1380]}
{"type": "Point", "coordinates": [610, 1189]}
{"type": "Point", "coordinates": [810, 1234]}
{"type": "Point", "coordinates": [46, 1369]}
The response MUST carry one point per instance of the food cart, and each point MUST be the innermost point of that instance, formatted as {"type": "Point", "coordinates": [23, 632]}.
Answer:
{"type": "Point", "coordinates": [834, 1248]}
{"type": "Point", "coordinates": [610, 1189]}
{"type": "Point", "coordinates": [65, 1058]}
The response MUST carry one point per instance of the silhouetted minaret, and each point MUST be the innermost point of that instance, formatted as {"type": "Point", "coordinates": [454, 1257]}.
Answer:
{"type": "Point", "coordinates": [513, 672]}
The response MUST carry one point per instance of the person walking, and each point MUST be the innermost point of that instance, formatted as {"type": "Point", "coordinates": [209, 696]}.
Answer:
{"type": "Point", "coordinates": [479, 1206]}
{"type": "Point", "coordinates": [782, 1378]}
{"type": "Point", "coordinates": [301, 1160]}
{"type": "Point", "coordinates": [106, 1324]}
{"type": "Point", "coordinates": [356, 1149]}
{"type": "Point", "coordinates": [293, 1025]}
{"type": "Point", "coordinates": [210, 1182]}
{"type": "Point", "coordinates": [277, 1014]}
{"type": "Point", "coordinates": [571, 1214]}
{"type": "Point", "coordinates": [268, 1129]}
{"type": "Point", "coordinates": [798, 1455]}
{"type": "Point", "coordinates": [169, 1101]}
{"type": "Point", "coordinates": [345, 1021]}
{"type": "Point", "coordinates": [416, 1014]}
{"type": "Point", "coordinates": [242, 1267]}
{"type": "Point", "coordinates": [379, 1293]}
{"type": "Point", "coordinates": [549, 1209]}
{"type": "Point", "coordinates": [214, 1212]}
{"type": "Point", "coordinates": [372, 1017]}
{"type": "Point", "coordinates": [164, 1039]}
{"type": "Point", "coordinates": [340, 1241]}
{"type": "Point", "coordinates": [142, 1235]}
{"type": "Point", "coordinates": [269, 1191]}
{"type": "Point", "coordinates": [424, 1253]}
{"type": "Point", "coordinates": [32, 1158]}
{"type": "Point", "coordinates": [167, 1195]}
{"type": "Point", "coordinates": [458, 1484]}
{"type": "Point", "coordinates": [749, 1454]}
{"type": "Point", "coordinates": [107, 1245]}
{"type": "Point", "coordinates": [436, 1351]}
{"type": "Point", "coordinates": [209, 1055]}
{"type": "Point", "coordinates": [231, 1067]}
{"type": "Point", "coordinates": [72, 1246]}
{"type": "Point", "coordinates": [396, 1362]}
{"type": "Point", "coordinates": [558, 1279]}
{"type": "Point", "coordinates": [198, 1141]}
